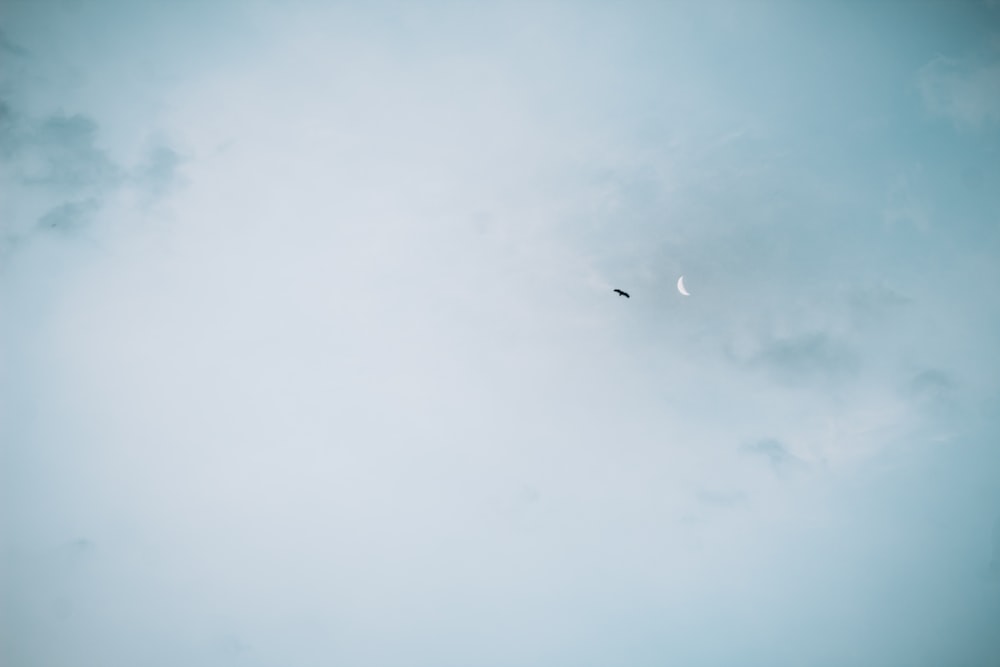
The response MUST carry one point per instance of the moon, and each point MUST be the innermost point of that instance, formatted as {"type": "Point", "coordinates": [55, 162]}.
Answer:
{"type": "Point", "coordinates": [680, 287]}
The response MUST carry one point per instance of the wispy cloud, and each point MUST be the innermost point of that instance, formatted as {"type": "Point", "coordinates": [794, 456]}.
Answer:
{"type": "Point", "coordinates": [803, 358]}
{"type": "Point", "coordinates": [965, 91]}
{"type": "Point", "coordinates": [62, 178]}
{"type": "Point", "coordinates": [62, 152]}
{"type": "Point", "coordinates": [10, 47]}
{"type": "Point", "coordinates": [70, 217]}
{"type": "Point", "coordinates": [775, 452]}
{"type": "Point", "coordinates": [871, 305]}
{"type": "Point", "coordinates": [932, 383]}
{"type": "Point", "coordinates": [55, 170]}
{"type": "Point", "coordinates": [158, 174]}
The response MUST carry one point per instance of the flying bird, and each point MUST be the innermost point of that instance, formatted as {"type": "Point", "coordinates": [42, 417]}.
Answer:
{"type": "Point", "coordinates": [624, 294]}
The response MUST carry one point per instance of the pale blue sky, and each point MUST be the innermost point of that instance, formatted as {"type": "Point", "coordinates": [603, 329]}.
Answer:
{"type": "Point", "coordinates": [310, 356]}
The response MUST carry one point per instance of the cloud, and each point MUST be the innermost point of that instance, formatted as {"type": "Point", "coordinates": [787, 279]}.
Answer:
{"type": "Point", "coordinates": [808, 354]}
{"type": "Point", "coordinates": [964, 91]}
{"type": "Point", "coordinates": [9, 47]}
{"type": "Point", "coordinates": [319, 408]}
{"type": "Point", "coordinates": [157, 175]}
{"type": "Point", "coordinates": [64, 154]}
{"type": "Point", "coordinates": [936, 401]}
{"type": "Point", "coordinates": [804, 358]}
{"type": "Point", "coordinates": [70, 217]}
{"type": "Point", "coordinates": [932, 383]}
{"type": "Point", "coordinates": [61, 177]}
{"type": "Point", "coordinates": [871, 305]}
{"type": "Point", "coordinates": [57, 174]}
{"type": "Point", "coordinates": [775, 451]}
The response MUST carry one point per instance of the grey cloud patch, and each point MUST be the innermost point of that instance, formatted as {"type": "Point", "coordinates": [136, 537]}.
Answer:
{"type": "Point", "coordinates": [9, 47]}
{"type": "Point", "coordinates": [58, 176]}
{"type": "Point", "coordinates": [933, 392]}
{"type": "Point", "coordinates": [873, 304]}
{"type": "Point", "coordinates": [964, 91]}
{"type": "Point", "coordinates": [70, 217]}
{"type": "Point", "coordinates": [932, 383]}
{"type": "Point", "coordinates": [55, 172]}
{"type": "Point", "coordinates": [158, 175]}
{"type": "Point", "coordinates": [67, 156]}
{"type": "Point", "coordinates": [804, 357]}
{"type": "Point", "coordinates": [776, 453]}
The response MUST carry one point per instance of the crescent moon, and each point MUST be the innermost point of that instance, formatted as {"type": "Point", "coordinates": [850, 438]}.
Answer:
{"type": "Point", "coordinates": [680, 287]}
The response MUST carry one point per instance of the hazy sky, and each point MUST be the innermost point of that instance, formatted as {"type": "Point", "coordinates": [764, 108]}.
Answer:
{"type": "Point", "coordinates": [309, 354]}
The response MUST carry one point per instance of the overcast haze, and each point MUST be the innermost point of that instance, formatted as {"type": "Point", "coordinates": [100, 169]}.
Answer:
{"type": "Point", "coordinates": [309, 353]}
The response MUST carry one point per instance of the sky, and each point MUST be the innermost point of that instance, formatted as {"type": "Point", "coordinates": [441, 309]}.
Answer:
{"type": "Point", "coordinates": [309, 353]}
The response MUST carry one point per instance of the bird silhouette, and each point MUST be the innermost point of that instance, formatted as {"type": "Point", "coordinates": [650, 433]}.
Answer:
{"type": "Point", "coordinates": [624, 294]}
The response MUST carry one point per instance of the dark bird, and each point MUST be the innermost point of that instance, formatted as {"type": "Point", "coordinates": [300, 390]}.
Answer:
{"type": "Point", "coordinates": [624, 294]}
